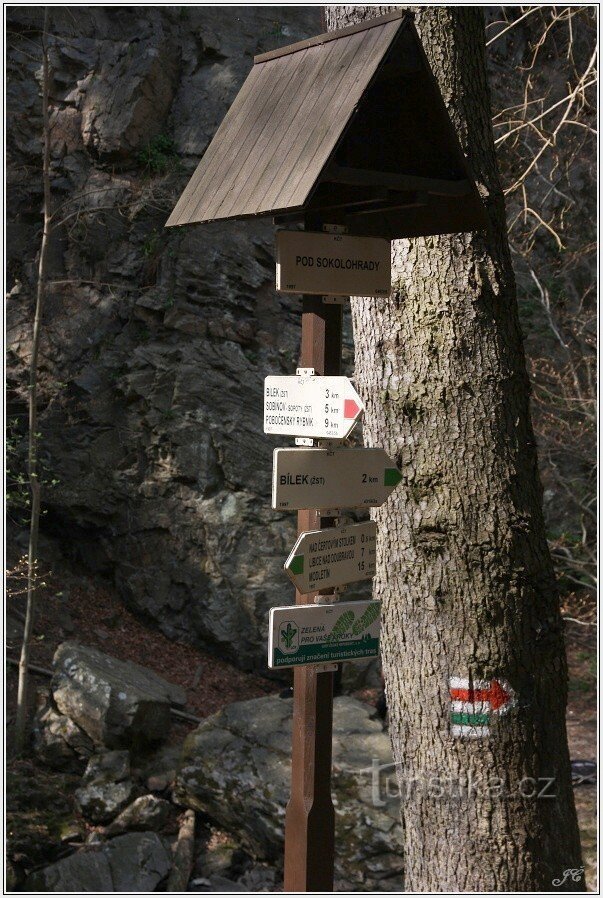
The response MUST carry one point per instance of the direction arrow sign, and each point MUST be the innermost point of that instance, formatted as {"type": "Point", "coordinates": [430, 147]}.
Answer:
{"type": "Point", "coordinates": [309, 406]}
{"type": "Point", "coordinates": [333, 557]}
{"type": "Point", "coordinates": [332, 478]}
{"type": "Point", "coordinates": [332, 264]}
{"type": "Point", "coordinates": [318, 634]}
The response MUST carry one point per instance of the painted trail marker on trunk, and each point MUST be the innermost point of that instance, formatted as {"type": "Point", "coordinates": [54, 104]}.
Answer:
{"type": "Point", "coordinates": [318, 634]}
{"type": "Point", "coordinates": [333, 557]}
{"type": "Point", "coordinates": [310, 406]}
{"type": "Point", "coordinates": [332, 264]}
{"type": "Point", "coordinates": [472, 705]}
{"type": "Point", "coordinates": [332, 478]}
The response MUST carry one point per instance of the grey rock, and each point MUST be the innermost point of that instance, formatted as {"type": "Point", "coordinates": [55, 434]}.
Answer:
{"type": "Point", "coordinates": [100, 802]}
{"type": "Point", "coordinates": [80, 872]}
{"type": "Point", "coordinates": [126, 100]}
{"type": "Point", "coordinates": [221, 859]}
{"type": "Point", "coordinates": [235, 767]}
{"type": "Point", "coordinates": [135, 862]}
{"type": "Point", "coordinates": [215, 884]}
{"type": "Point", "coordinates": [58, 741]}
{"type": "Point", "coordinates": [107, 787]}
{"type": "Point", "coordinates": [145, 813]}
{"type": "Point", "coordinates": [108, 767]}
{"type": "Point", "coordinates": [259, 879]}
{"type": "Point", "coordinates": [114, 702]}
{"type": "Point", "coordinates": [138, 862]}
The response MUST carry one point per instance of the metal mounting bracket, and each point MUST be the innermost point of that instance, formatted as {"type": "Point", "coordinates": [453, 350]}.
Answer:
{"type": "Point", "coordinates": [327, 598]}
{"type": "Point", "coordinates": [335, 300]}
{"type": "Point", "coordinates": [335, 228]}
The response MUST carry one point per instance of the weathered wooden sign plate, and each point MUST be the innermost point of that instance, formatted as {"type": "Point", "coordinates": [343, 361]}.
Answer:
{"type": "Point", "coordinates": [333, 557]}
{"type": "Point", "coordinates": [332, 264]}
{"type": "Point", "coordinates": [332, 478]}
{"type": "Point", "coordinates": [319, 634]}
{"type": "Point", "coordinates": [310, 406]}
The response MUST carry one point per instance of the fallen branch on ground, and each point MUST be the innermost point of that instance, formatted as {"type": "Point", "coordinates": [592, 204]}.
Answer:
{"type": "Point", "coordinates": [183, 855]}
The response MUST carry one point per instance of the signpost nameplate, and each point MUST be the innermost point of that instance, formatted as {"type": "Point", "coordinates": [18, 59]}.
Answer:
{"type": "Point", "coordinates": [332, 478]}
{"type": "Point", "coordinates": [318, 634]}
{"type": "Point", "coordinates": [332, 264]}
{"type": "Point", "coordinates": [309, 406]}
{"type": "Point", "coordinates": [333, 557]}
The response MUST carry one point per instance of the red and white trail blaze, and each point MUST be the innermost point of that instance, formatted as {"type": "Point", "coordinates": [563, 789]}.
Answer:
{"type": "Point", "coordinates": [472, 704]}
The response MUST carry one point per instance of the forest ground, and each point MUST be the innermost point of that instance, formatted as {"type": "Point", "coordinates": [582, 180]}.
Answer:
{"type": "Point", "coordinates": [77, 607]}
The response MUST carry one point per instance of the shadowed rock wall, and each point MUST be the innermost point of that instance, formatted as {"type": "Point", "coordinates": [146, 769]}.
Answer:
{"type": "Point", "coordinates": [155, 342]}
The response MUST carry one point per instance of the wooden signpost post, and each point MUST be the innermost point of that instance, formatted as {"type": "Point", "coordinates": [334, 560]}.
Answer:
{"type": "Point", "coordinates": [310, 815]}
{"type": "Point", "coordinates": [310, 479]}
{"type": "Point", "coordinates": [306, 142]}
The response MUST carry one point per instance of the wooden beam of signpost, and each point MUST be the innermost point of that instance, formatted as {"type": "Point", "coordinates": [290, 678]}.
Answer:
{"type": "Point", "coordinates": [310, 818]}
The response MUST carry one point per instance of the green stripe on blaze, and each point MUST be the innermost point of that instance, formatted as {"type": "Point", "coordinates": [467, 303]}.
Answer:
{"type": "Point", "coordinates": [391, 477]}
{"type": "Point", "coordinates": [297, 565]}
{"type": "Point", "coordinates": [470, 719]}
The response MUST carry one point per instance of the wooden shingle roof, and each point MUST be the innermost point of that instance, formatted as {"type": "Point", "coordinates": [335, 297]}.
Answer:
{"type": "Point", "coordinates": [303, 131]}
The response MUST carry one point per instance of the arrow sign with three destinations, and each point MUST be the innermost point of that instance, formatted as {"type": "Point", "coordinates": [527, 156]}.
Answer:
{"type": "Point", "coordinates": [311, 406]}
{"type": "Point", "coordinates": [332, 478]}
{"type": "Point", "coordinates": [333, 557]}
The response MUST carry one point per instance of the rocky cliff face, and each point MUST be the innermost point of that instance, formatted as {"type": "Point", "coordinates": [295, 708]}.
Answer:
{"type": "Point", "coordinates": [155, 342]}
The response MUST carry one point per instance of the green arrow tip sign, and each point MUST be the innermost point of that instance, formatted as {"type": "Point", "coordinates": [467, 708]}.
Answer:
{"type": "Point", "coordinates": [391, 477]}
{"type": "Point", "coordinates": [296, 565]}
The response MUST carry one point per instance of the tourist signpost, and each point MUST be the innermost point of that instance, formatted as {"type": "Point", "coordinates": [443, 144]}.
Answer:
{"type": "Point", "coordinates": [322, 634]}
{"type": "Point", "coordinates": [306, 142]}
{"type": "Point", "coordinates": [327, 559]}
{"type": "Point", "coordinates": [332, 264]}
{"type": "Point", "coordinates": [332, 478]}
{"type": "Point", "coordinates": [311, 407]}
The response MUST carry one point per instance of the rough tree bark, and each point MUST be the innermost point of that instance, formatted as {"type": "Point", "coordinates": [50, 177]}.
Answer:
{"type": "Point", "coordinates": [464, 571]}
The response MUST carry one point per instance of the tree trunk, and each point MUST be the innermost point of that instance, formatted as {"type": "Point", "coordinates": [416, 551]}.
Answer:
{"type": "Point", "coordinates": [464, 572]}
{"type": "Point", "coordinates": [33, 448]}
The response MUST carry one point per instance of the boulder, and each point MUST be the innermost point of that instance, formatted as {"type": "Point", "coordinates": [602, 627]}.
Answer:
{"type": "Point", "coordinates": [108, 767]}
{"type": "Point", "coordinates": [114, 702]}
{"type": "Point", "coordinates": [107, 786]}
{"type": "Point", "coordinates": [135, 862]}
{"type": "Point", "coordinates": [236, 768]}
{"type": "Point", "coordinates": [145, 813]}
{"type": "Point", "coordinates": [58, 741]}
{"type": "Point", "coordinates": [220, 858]}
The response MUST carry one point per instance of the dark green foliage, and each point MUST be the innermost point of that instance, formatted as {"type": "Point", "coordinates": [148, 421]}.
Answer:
{"type": "Point", "coordinates": [159, 155]}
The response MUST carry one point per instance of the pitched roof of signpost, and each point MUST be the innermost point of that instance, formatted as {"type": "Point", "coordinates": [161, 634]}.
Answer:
{"type": "Point", "coordinates": [349, 124]}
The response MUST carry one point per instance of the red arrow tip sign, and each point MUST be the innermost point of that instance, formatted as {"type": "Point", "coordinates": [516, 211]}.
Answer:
{"type": "Point", "coordinates": [350, 408]}
{"type": "Point", "coordinates": [497, 694]}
